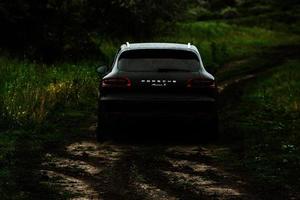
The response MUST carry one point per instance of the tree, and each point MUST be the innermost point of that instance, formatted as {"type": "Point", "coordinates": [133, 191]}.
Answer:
{"type": "Point", "coordinates": [219, 4]}
{"type": "Point", "coordinates": [51, 28]}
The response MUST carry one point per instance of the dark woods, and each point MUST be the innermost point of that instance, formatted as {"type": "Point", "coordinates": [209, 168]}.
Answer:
{"type": "Point", "coordinates": [49, 30]}
{"type": "Point", "coordinates": [55, 28]}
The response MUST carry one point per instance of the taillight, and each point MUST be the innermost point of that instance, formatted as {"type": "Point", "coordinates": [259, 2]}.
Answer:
{"type": "Point", "coordinates": [116, 83]}
{"type": "Point", "coordinates": [200, 83]}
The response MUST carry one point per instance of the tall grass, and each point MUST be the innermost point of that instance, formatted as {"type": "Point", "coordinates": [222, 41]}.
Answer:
{"type": "Point", "coordinates": [277, 102]}
{"type": "Point", "coordinates": [218, 42]}
{"type": "Point", "coordinates": [268, 119]}
{"type": "Point", "coordinates": [30, 92]}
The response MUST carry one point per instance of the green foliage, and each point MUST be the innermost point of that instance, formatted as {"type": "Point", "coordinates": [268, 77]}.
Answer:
{"type": "Point", "coordinates": [52, 30]}
{"type": "Point", "coordinates": [268, 121]}
{"type": "Point", "coordinates": [199, 13]}
{"type": "Point", "coordinates": [229, 12]}
{"type": "Point", "coordinates": [219, 42]}
{"type": "Point", "coordinates": [219, 4]}
{"type": "Point", "coordinates": [29, 92]}
{"type": "Point", "coordinates": [58, 30]}
{"type": "Point", "coordinates": [260, 9]}
{"type": "Point", "coordinates": [287, 21]}
{"type": "Point", "coordinates": [109, 50]}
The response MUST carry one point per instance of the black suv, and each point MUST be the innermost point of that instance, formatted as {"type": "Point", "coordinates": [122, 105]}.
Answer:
{"type": "Point", "coordinates": [151, 81]}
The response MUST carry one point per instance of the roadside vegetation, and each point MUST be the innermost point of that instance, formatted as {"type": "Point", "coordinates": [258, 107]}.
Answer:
{"type": "Point", "coordinates": [53, 85]}
{"type": "Point", "coordinates": [263, 130]}
{"type": "Point", "coordinates": [274, 155]}
{"type": "Point", "coordinates": [31, 92]}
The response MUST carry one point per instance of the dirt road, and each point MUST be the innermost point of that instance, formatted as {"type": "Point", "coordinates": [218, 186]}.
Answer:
{"type": "Point", "coordinates": [89, 170]}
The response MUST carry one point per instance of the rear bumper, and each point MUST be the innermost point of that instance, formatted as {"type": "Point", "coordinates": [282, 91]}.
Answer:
{"type": "Point", "coordinates": [202, 107]}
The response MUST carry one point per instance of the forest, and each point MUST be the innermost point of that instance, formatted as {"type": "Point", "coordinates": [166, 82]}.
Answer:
{"type": "Point", "coordinates": [51, 30]}
{"type": "Point", "coordinates": [49, 53]}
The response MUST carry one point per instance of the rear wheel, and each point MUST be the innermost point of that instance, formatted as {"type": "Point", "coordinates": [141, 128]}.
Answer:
{"type": "Point", "coordinates": [103, 131]}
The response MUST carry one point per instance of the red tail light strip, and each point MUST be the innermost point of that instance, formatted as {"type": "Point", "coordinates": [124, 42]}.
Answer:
{"type": "Point", "coordinates": [122, 82]}
{"type": "Point", "coordinates": [200, 83]}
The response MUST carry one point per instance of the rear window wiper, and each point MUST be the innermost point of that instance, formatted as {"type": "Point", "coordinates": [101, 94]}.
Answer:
{"type": "Point", "coordinates": [172, 70]}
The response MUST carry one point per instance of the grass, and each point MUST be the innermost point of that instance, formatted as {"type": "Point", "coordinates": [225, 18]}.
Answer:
{"type": "Point", "coordinates": [30, 92]}
{"type": "Point", "coordinates": [218, 42]}
{"type": "Point", "coordinates": [267, 118]}
{"type": "Point", "coordinates": [287, 20]}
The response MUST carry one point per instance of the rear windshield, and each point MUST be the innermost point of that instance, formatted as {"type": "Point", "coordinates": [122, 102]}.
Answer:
{"type": "Point", "coordinates": [159, 61]}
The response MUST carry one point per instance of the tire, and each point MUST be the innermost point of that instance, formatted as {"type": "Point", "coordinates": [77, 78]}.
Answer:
{"type": "Point", "coordinates": [103, 131]}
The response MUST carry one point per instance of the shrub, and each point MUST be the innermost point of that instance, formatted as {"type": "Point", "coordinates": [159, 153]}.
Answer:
{"type": "Point", "coordinates": [30, 92]}
{"type": "Point", "coordinates": [259, 9]}
{"type": "Point", "coordinates": [229, 12]}
{"type": "Point", "coordinates": [200, 13]}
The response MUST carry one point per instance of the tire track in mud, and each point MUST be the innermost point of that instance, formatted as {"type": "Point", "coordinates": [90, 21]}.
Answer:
{"type": "Point", "coordinates": [186, 178]}
{"type": "Point", "coordinates": [89, 170]}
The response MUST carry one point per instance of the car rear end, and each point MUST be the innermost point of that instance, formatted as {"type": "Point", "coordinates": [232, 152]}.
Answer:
{"type": "Point", "coordinates": [157, 84]}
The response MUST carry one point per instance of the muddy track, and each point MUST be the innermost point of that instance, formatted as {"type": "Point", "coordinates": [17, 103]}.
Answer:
{"type": "Point", "coordinates": [85, 169]}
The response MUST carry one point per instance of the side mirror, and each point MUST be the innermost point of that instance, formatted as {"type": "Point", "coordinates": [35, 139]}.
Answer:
{"type": "Point", "coordinates": [102, 70]}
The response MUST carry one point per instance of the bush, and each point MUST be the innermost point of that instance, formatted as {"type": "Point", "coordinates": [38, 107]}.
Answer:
{"type": "Point", "coordinates": [200, 13]}
{"type": "Point", "coordinates": [259, 9]}
{"type": "Point", "coordinates": [52, 30]}
{"type": "Point", "coordinates": [229, 13]}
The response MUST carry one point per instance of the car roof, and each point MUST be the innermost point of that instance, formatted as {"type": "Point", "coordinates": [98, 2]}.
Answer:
{"type": "Point", "coordinates": [171, 46]}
